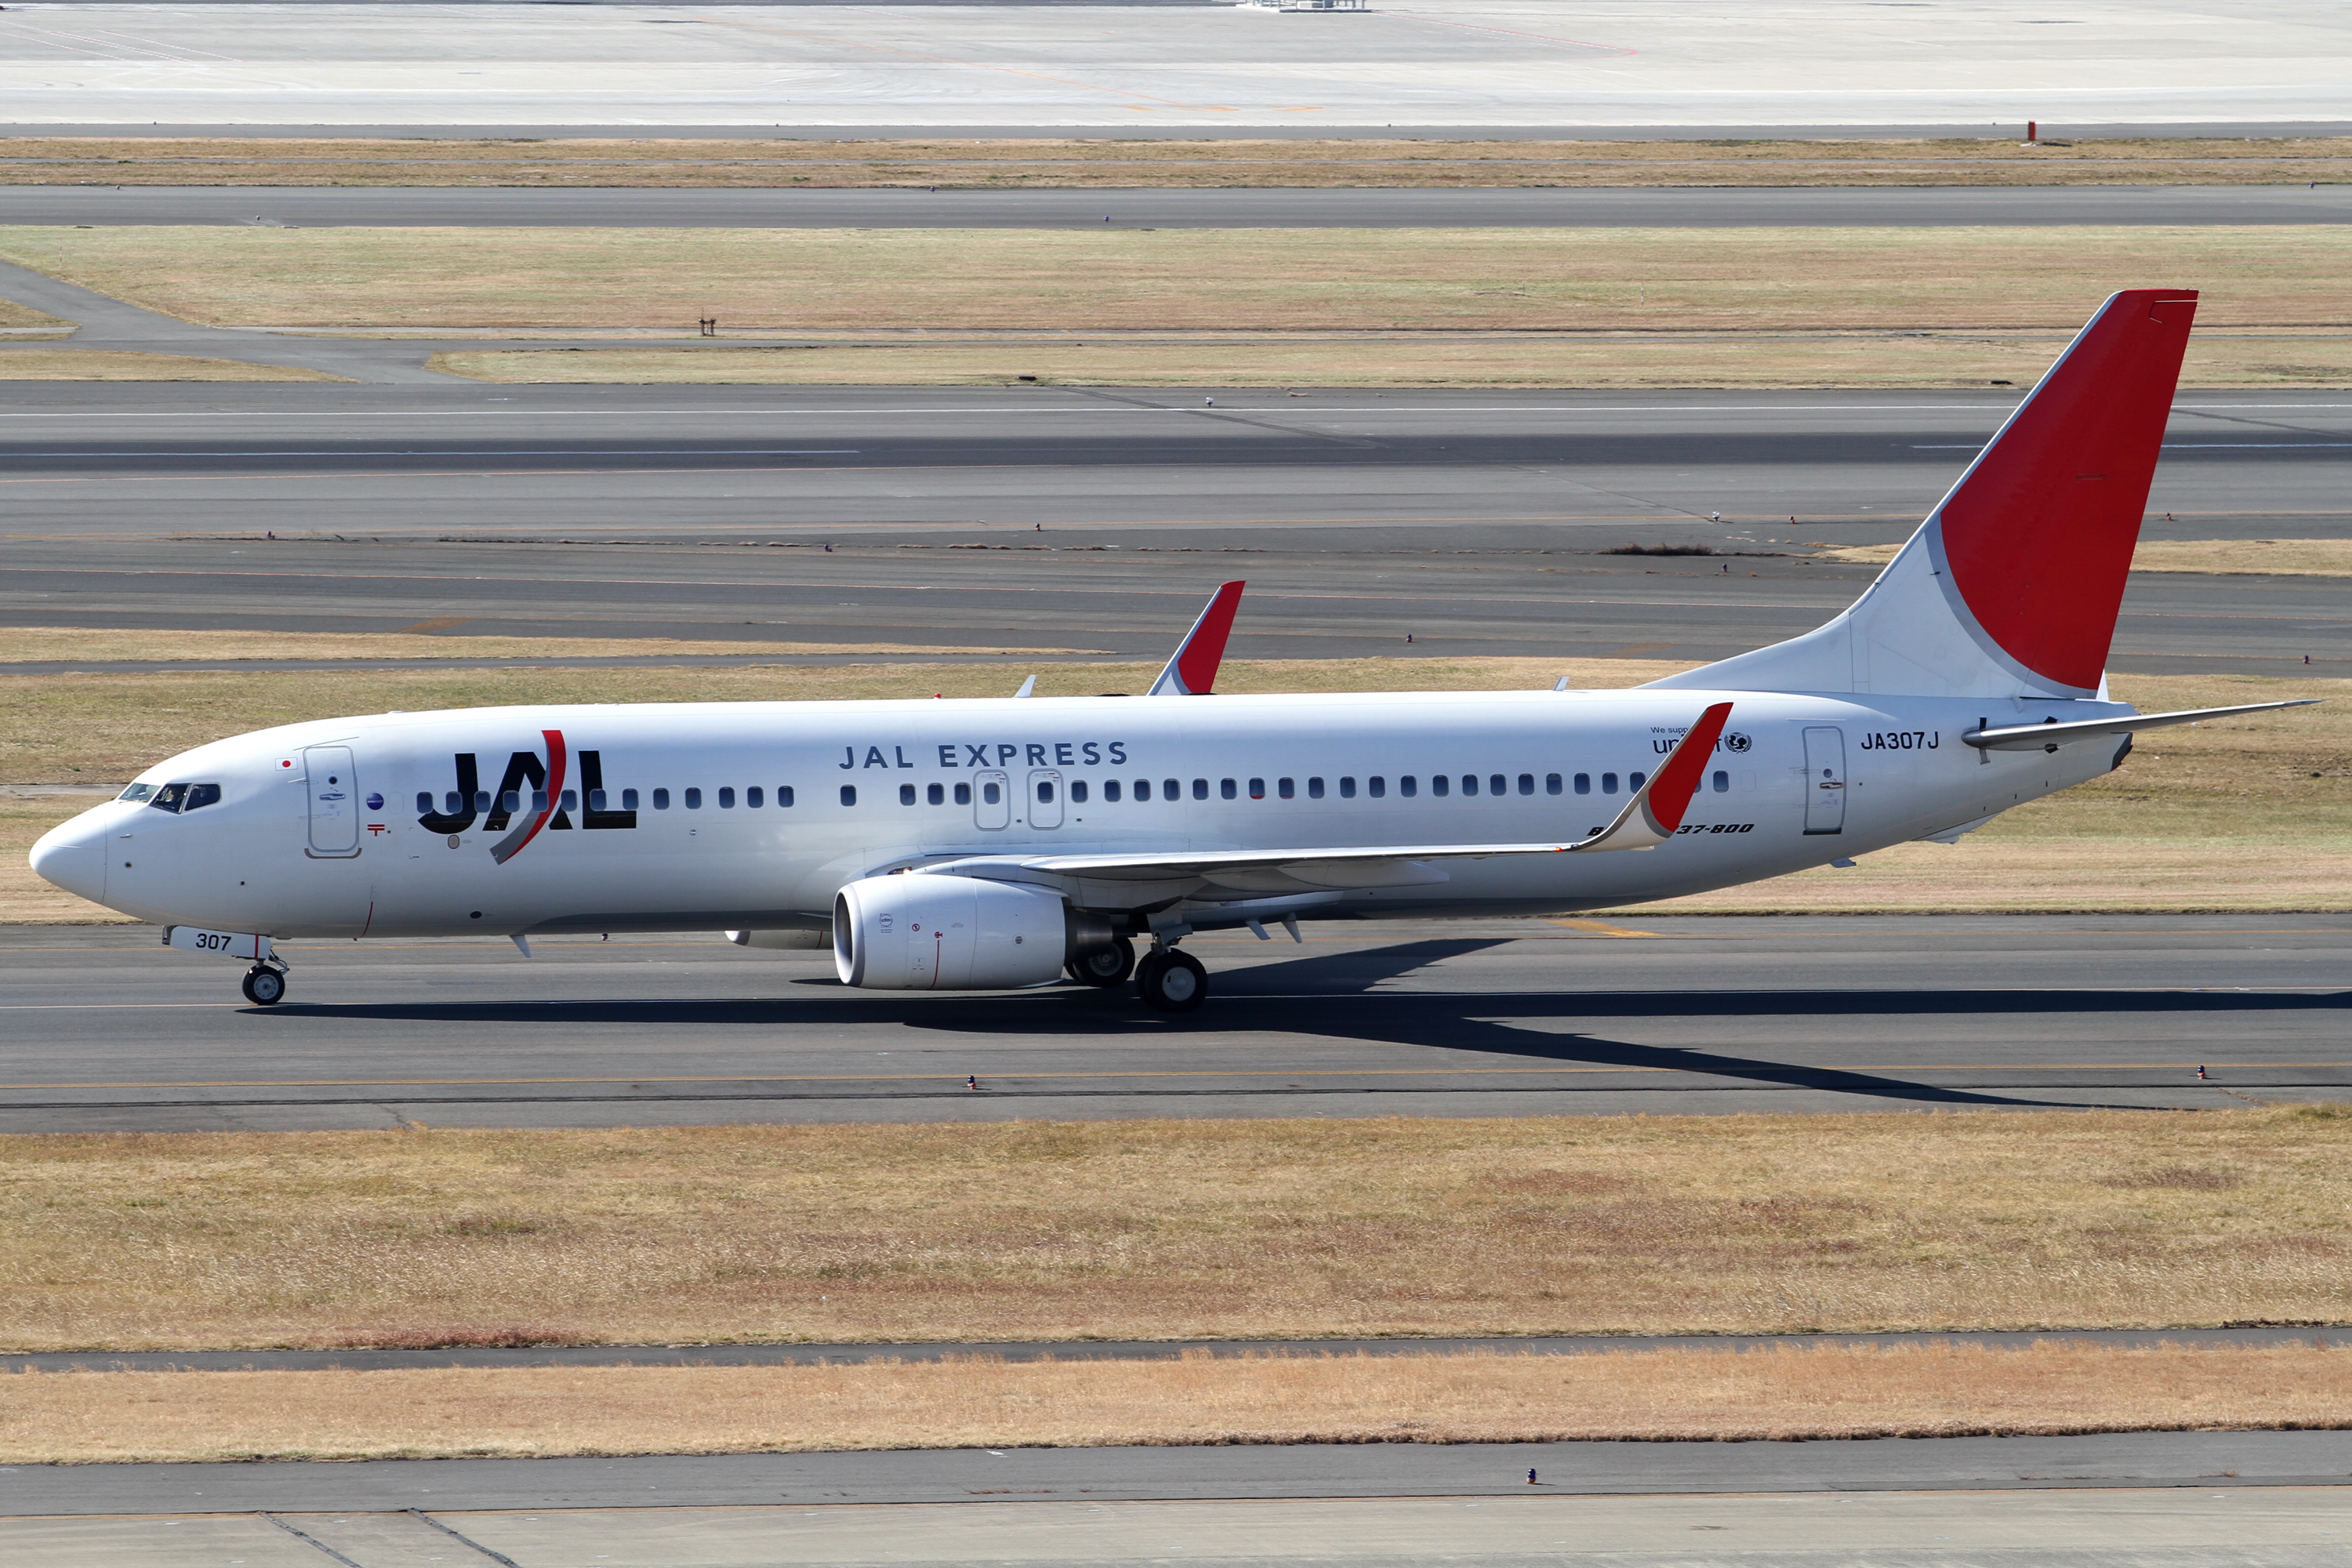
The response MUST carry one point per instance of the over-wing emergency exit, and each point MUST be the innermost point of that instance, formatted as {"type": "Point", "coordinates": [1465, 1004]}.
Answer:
{"type": "Point", "coordinates": [1006, 842]}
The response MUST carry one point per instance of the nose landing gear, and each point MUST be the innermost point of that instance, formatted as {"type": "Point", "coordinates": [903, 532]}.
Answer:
{"type": "Point", "coordinates": [265, 985]}
{"type": "Point", "coordinates": [1170, 980]}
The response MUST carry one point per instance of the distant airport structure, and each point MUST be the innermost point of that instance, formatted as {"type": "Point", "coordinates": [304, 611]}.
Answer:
{"type": "Point", "coordinates": [1288, 66]}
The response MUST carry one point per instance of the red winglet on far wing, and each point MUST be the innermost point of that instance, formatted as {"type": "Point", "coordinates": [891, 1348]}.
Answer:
{"type": "Point", "coordinates": [1651, 817]}
{"type": "Point", "coordinates": [1194, 671]}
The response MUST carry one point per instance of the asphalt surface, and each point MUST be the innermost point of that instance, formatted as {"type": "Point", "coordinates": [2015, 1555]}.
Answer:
{"type": "Point", "coordinates": [1091, 520]}
{"type": "Point", "coordinates": [507, 207]}
{"type": "Point", "coordinates": [2130, 1460]}
{"type": "Point", "coordinates": [2078, 130]}
{"type": "Point", "coordinates": [1096, 1349]}
{"type": "Point", "coordinates": [106, 1031]}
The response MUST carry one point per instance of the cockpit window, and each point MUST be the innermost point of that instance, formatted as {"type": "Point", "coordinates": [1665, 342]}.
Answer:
{"type": "Point", "coordinates": [180, 797]}
{"type": "Point", "coordinates": [137, 792]}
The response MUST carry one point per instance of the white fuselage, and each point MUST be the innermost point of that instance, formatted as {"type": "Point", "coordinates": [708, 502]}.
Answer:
{"type": "Point", "coordinates": [321, 829]}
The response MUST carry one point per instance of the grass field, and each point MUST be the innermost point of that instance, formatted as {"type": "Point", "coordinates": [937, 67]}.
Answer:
{"type": "Point", "coordinates": [2226, 557]}
{"type": "Point", "coordinates": [52, 644]}
{"type": "Point", "coordinates": [109, 364]}
{"type": "Point", "coordinates": [1071, 162]}
{"type": "Point", "coordinates": [2191, 822]}
{"type": "Point", "coordinates": [1174, 1229]}
{"type": "Point", "coordinates": [1929, 1391]}
{"type": "Point", "coordinates": [1530, 359]}
{"type": "Point", "coordinates": [1058, 280]}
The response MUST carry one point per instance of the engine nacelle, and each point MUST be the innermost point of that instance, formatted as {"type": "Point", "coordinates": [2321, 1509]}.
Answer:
{"type": "Point", "coordinates": [917, 932]}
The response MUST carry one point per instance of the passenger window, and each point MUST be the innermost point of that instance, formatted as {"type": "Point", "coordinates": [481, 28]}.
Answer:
{"type": "Point", "coordinates": [783, 795]}
{"type": "Point", "coordinates": [1439, 785]}
{"type": "Point", "coordinates": [1199, 789]}
{"type": "Point", "coordinates": [989, 793]}
{"type": "Point", "coordinates": [481, 800]}
{"type": "Point", "coordinates": [1286, 789]}
{"type": "Point", "coordinates": [694, 800]}
{"type": "Point", "coordinates": [1722, 783]}
{"type": "Point", "coordinates": [661, 800]}
{"type": "Point", "coordinates": [1551, 784]}
{"type": "Point", "coordinates": [727, 797]}
{"type": "Point", "coordinates": [1077, 792]}
{"type": "Point", "coordinates": [1527, 785]}
{"type": "Point", "coordinates": [1044, 790]}
{"type": "Point", "coordinates": [539, 800]}
{"type": "Point", "coordinates": [1347, 789]}
{"type": "Point", "coordinates": [849, 794]}
{"type": "Point", "coordinates": [1584, 784]}
{"type": "Point", "coordinates": [1167, 790]}
{"type": "Point", "coordinates": [423, 802]}
{"type": "Point", "coordinates": [595, 800]}
{"type": "Point", "coordinates": [906, 794]}
{"type": "Point", "coordinates": [1408, 786]}
{"type": "Point", "coordinates": [200, 796]}
{"type": "Point", "coordinates": [964, 794]}
{"type": "Point", "coordinates": [1607, 783]}
{"type": "Point", "coordinates": [511, 802]}
{"type": "Point", "coordinates": [571, 800]}
{"type": "Point", "coordinates": [1111, 789]}
{"type": "Point", "coordinates": [1376, 786]}
{"type": "Point", "coordinates": [1315, 789]}
{"type": "Point", "coordinates": [936, 794]}
{"type": "Point", "coordinates": [451, 804]}
{"type": "Point", "coordinates": [628, 800]}
{"type": "Point", "coordinates": [1257, 790]}
{"type": "Point", "coordinates": [1635, 781]}
{"type": "Point", "coordinates": [1495, 785]}
{"type": "Point", "coordinates": [754, 797]}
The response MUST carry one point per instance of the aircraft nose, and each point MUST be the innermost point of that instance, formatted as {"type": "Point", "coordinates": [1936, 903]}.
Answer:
{"type": "Point", "coordinates": [72, 855]}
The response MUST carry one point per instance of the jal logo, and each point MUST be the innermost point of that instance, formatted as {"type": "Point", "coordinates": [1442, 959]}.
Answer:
{"type": "Point", "coordinates": [531, 781]}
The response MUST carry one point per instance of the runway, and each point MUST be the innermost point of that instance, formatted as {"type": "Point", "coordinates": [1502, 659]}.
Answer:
{"type": "Point", "coordinates": [952, 69]}
{"type": "Point", "coordinates": [1091, 520]}
{"type": "Point", "coordinates": [418, 206]}
{"type": "Point", "coordinates": [105, 1031]}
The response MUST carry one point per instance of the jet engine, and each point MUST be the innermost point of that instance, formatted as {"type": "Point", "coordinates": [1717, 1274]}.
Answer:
{"type": "Point", "coordinates": [917, 931]}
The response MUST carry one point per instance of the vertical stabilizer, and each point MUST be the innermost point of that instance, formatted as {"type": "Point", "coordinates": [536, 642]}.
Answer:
{"type": "Point", "coordinates": [1192, 670]}
{"type": "Point", "coordinates": [2012, 585]}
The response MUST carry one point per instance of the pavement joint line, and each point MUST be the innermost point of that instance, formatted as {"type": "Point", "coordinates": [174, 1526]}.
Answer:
{"type": "Point", "coordinates": [1205, 1072]}
{"type": "Point", "coordinates": [1991, 406]}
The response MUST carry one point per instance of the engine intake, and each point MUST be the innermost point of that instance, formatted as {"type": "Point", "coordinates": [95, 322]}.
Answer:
{"type": "Point", "coordinates": [917, 931]}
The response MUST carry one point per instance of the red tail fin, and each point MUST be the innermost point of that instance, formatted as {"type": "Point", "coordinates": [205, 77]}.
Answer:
{"type": "Point", "coordinates": [1193, 670]}
{"type": "Point", "coordinates": [2039, 533]}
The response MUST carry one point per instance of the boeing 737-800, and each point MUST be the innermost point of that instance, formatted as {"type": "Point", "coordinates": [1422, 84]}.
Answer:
{"type": "Point", "coordinates": [999, 844]}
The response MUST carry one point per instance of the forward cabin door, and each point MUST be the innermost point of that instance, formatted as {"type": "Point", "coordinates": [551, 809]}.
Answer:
{"type": "Point", "coordinates": [991, 799]}
{"type": "Point", "coordinates": [334, 801]}
{"type": "Point", "coordinates": [1045, 798]}
{"type": "Point", "coordinates": [1825, 780]}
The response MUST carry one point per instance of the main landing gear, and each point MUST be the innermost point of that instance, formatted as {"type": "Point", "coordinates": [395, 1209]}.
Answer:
{"type": "Point", "coordinates": [265, 985]}
{"type": "Point", "coordinates": [1106, 966]}
{"type": "Point", "coordinates": [1170, 980]}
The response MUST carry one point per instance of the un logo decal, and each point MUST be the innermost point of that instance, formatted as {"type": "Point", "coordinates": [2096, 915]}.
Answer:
{"type": "Point", "coordinates": [1737, 743]}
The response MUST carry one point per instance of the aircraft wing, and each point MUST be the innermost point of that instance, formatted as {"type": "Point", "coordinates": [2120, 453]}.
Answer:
{"type": "Point", "coordinates": [1193, 669]}
{"type": "Point", "coordinates": [2037, 737]}
{"type": "Point", "coordinates": [1649, 819]}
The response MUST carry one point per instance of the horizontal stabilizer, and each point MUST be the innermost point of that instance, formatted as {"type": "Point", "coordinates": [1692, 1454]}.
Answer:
{"type": "Point", "coordinates": [1192, 672]}
{"type": "Point", "coordinates": [2039, 737]}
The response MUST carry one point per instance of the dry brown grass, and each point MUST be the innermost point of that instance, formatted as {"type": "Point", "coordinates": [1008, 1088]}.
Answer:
{"type": "Point", "coordinates": [24, 898]}
{"type": "Point", "coordinates": [1176, 1229]}
{"type": "Point", "coordinates": [1781, 1393]}
{"type": "Point", "coordinates": [1656, 359]}
{"type": "Point", "coordinates": [53, 644]}
{"type": "Point", "coordinates": [110, 364]}
{"type": "Point", "coordinates": [2240, 557]}
{"type": "Point", "coordinates": [1062, 280]}
{"type": "Point", "coordinates": [17, 316]}
{"type": "Point", "coordinates": [2191, 822]}
{"type": "Point", "coordinates": [1072, 162]}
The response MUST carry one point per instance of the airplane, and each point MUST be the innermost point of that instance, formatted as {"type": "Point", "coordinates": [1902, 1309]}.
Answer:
{"type": "Point", "coordinates": [1003, 844]}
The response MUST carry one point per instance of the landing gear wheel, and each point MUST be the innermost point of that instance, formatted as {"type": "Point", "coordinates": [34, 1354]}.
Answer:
{"type": "Point", "coordinates": [263, 986]}
{"type": "Point", "coordinates": [1172, 982]}
{"type": "Point", "coordinates": [1104, 966]}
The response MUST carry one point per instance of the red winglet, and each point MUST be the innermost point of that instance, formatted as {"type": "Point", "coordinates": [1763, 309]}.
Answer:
{"type": "Point", "coordinates": [1194, 671]}
{"type": "Point", "coordinates": [1670, 792]}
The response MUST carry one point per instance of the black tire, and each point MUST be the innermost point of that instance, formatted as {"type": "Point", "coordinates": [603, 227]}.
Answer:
{"type": "Point", "coordinates": [1104, 966]}
{"type": "Point", "coordinates": [264, 987]}
{"type": "Point", "coordinates": [1172, 982]}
